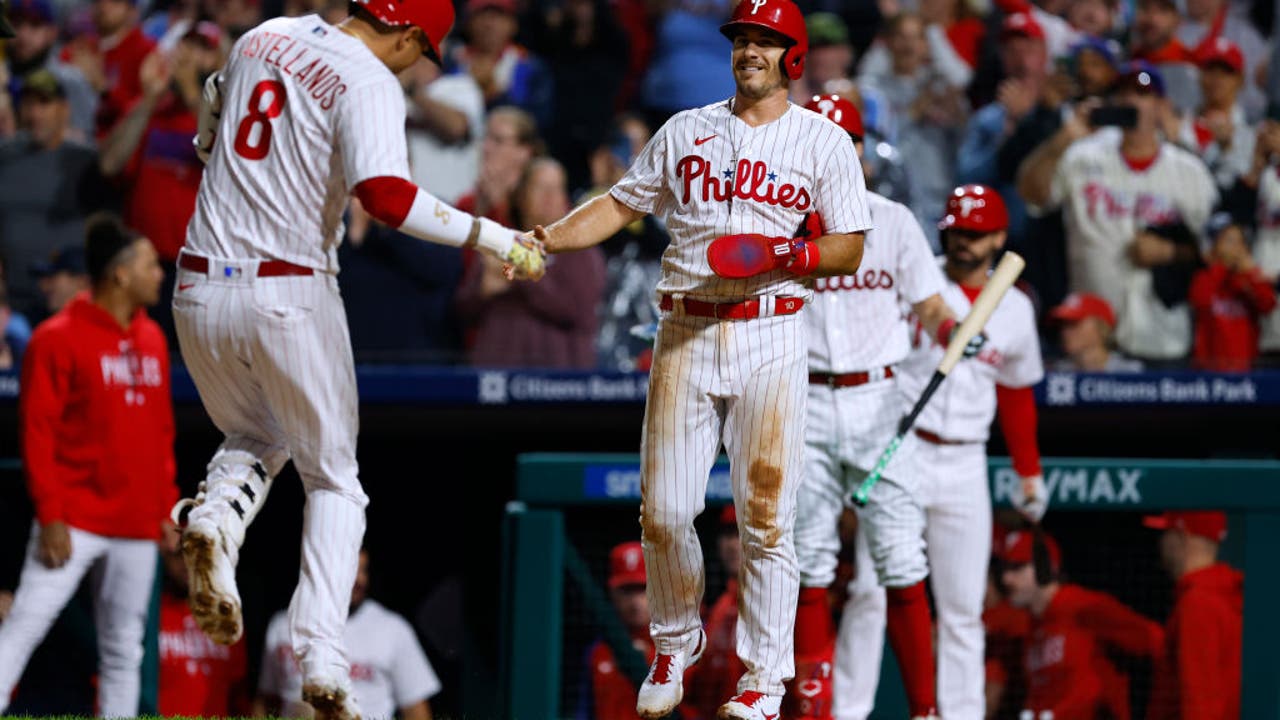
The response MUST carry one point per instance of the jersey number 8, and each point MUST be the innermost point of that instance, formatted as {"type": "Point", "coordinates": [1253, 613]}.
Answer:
{"type": "Point", "coordinates": [259, 117]}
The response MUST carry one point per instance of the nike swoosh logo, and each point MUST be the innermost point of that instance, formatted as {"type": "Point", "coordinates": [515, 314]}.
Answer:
{"type": "Point", "coordinates": [699, 141]}
{"type": "Point", "coordinates": [188, 286]}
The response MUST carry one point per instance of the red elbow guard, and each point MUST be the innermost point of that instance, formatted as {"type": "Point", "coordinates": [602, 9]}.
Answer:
{"type": "Point", "coordinates": [388, 199]}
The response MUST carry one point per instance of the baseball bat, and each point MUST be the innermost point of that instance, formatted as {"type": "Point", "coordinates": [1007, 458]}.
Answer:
{"type": "Point", "coordinates": [1001, 280]}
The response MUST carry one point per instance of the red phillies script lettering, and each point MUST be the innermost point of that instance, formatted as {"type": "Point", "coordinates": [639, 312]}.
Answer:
{"type": "Point", "coordinates": [750, 183]}
{"type": "Point", "coordinates": [1147, 208]}
{"type": "Point", "coordinates": [866, 280]}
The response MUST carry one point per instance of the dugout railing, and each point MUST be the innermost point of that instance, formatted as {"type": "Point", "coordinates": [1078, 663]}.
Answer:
{"type": "Point", "coordinates": [545, 566]}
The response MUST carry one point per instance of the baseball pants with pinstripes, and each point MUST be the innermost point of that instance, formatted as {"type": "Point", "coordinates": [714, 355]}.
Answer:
{"type": "Point", "coordinates": [743, 382]}
{"type": "Point", "coordinates": [271, 358]}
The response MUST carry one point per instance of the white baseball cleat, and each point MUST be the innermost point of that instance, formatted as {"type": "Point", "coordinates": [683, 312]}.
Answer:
{"type": "Point", "coordinates": [211, 580]}
{"type": "Point", "coordinates": [750, 705]}
{"type": "Point", "coordinates": [331, 701]}
{"type": "Point", "coordinates": [663, 688]}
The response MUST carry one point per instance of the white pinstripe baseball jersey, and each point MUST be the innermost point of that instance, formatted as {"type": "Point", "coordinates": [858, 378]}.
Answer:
{"type": "Point", "coordinates": [1106, 201]}
{"type": "Point", "coordinates": [856, 322]}
{"type": "Point", "coordinates": [707, 173]}
{"type": "Point", "coordinates": [307, 112]}
{"type": "Point", "coordinates": [965, 404]}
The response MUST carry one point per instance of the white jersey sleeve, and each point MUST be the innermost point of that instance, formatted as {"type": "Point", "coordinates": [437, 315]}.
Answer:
{"type": "Point", "coordinates": [841, 193]}
{"type": "Point", "coordinates": [412, 677]}
{"type": "Point", "coordinates": [1023, 365]}
{"type": "Point", "coordinates": [645, 180]}
{"type": "Point", "coordinates": [920, 274]}
{"type": "Point", "coordinates": [370, 131]}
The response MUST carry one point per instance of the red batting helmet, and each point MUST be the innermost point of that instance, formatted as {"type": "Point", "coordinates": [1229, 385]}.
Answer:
{"type": "Point", "coordinates": [433, 17]}
{"type": "Point", "coordinates": [977, 208]}
{"type": "Point", "coordinates": [840, 111]}
{"type": "Point", "coordinates": [780, 16]}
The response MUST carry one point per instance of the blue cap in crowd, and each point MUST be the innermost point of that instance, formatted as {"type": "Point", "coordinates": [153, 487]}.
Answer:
{"type": "Point", "coordinates": [1141, 75]}
{"type": "Point", "coordinates": [40, 11]}
{"type": "Point", "coordinates": [1108, 49]}
{"type": "Point", "coordinates": [69, 259]}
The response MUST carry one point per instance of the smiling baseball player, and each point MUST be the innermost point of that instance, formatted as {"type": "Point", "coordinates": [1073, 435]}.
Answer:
{"type": "Point", "coordinates": [733, 181]}
{"type": "Point", "coordinates": [303, 115]}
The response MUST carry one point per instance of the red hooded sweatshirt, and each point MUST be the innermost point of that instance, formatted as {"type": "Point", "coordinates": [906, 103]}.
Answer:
{"type": "Point", "coordinates": [1066, 656]}
{"type": "Point", "coordinates": [97, 422]}
{"type": "Point", "coordinates": [1199, 675]}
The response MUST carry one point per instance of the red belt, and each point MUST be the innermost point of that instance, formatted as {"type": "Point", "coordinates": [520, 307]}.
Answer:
{"type": "Point", "coordinates": [936, 439]}
{"type": "Point", "coordinates": [853, 379]}
{"type": "Point", "coordinates": [741, 310]}
{"type": "Point", "coordinates": [266, 268]}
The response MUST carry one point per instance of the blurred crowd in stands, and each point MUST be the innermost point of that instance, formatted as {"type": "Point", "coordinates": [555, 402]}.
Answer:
{"type": "Point", "coordinates": [1133, 140]}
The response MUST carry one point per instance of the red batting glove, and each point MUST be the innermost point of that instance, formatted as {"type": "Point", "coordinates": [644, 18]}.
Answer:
{"type": "Point", "coordinates": [749, 254]}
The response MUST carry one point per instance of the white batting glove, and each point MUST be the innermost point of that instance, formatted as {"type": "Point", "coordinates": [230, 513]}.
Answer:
{"type": "Point", "coordinates": [1031, 498]}
{"type": "Point", "coordinates": [207, 118]}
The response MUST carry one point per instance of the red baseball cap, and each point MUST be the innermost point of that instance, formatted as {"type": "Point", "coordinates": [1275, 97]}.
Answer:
{"type": "Point", "coordinates": [1017, 547]}
{"type": "Point", "coordinates": [626, 565]}
{"type": "Point", "coordinates": [1078, 306]}
{"type": "Point", "coordinates": [1021, 23]}
{"type": "Point", "coordinates": [1221, 52]}
{"type": "Point", "coordinates": [1211, 524]}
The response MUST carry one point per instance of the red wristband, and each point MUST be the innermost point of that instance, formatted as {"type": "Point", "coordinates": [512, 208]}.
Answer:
{"type": "Point", "coordinates": [804, 258]}
{"type": "Point", "coordinates": [945, 328]}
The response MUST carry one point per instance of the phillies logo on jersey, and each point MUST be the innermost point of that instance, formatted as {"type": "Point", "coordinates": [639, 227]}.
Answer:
{"type": "Point", "coordinates": [868, 279]}
{"type": "Point", "coordinates": [1050, 651]}
{"type": "Point", "coordinates": [1106, 202]}
{"type": "Point", "coordinates": [752, 181]}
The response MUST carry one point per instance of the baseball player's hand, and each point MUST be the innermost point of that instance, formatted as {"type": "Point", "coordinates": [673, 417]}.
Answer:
{"type": "Point", "coordinates": [207, 117]}
{"type": "Point", "coordinates": [527, 259]}
{"type": "Point", "coordinates": [1031, 498]}
{"type": "Point", "coordinates": [55, 544]}
{"type": "Point", "coordinates": [749, 254]}
{"type": "Point", "coordinates": [971, 349]}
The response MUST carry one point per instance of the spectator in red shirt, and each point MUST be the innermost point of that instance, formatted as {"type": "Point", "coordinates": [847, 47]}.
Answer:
{"type": "Point", "coordinates": [715, 677]}
{"type": "Point", "coordinates": [110, 61]}
{"type": "Point", "coordinates": [150, 148]}
{"type": "Point", "coordinates": [1073, 631]}
{"type": "Point", "coordinates": [198, 677]}
{"type": "Point", "coordinates": [1229, 299]}
{"type": "Point", "coordinates": [613, 694]}
{"type": "Point", "coordinates": [1154, 33]}
{"type": "Point", "coordinates": [1198, 675]}
{"type": "Point", "coordinates": [97, 446]}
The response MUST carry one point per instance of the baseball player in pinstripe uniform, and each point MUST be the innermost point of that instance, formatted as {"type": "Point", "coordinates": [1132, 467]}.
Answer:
{"type": "Point", "coordinates": [729, 361]}
{"type": "Point", "coordinates": [931, 513]}
{"type": "Point", "coordinates": [858, 333]}
{"type": "Point", "coordinates": [304, 114]}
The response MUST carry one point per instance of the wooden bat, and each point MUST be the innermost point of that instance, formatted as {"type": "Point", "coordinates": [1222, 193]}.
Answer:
{"type": "Point", "coordinates": [1001, 280]}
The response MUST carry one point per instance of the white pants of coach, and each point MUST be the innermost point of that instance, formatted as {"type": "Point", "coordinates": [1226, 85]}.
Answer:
{"type": "Point", "coordinates": [121, 572]}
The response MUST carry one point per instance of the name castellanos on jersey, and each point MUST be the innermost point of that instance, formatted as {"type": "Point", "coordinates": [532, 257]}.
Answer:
{"type": "Point", "coordinates": [313, 75]}
{"type": "Point", "coordinates": [752, 181]}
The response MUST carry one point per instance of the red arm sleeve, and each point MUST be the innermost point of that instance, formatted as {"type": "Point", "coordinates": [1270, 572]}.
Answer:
{"type": "Point", "coordinates": [1200, 692]}
{"type": "Point", "coordinates": [1255, 289]}
{"type": "Point", "coordinates": [1017, 412]}
{"type": "Point", "coordinates": [1204, 284]}
{"type": "Point", "coordinates": [1122, 628]}
{"type": "Point", "coordinates": [44, 384]}
{"type": "Point", "coordinates": [388, 199]}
